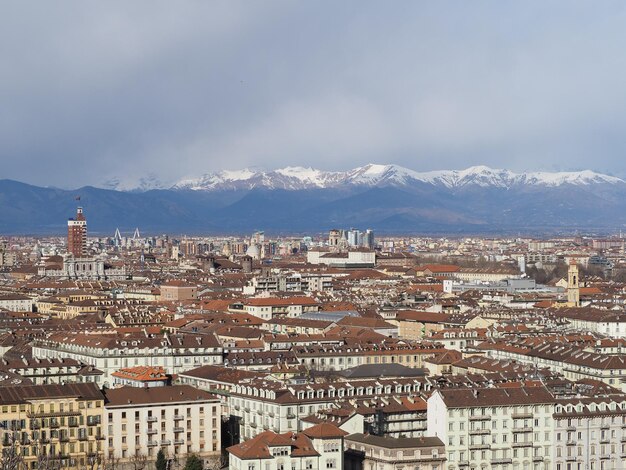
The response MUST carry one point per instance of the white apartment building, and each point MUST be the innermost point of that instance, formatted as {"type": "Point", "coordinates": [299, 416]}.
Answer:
{"type": "Point", "coordinates": [16, 303]}
{"type": "Point", "coordinates": [317, 448]}
{"type": "Point", "coordinates": [496, 428]}
{"type": "Point", "coordinates": [264, 405]}
{"type": "Point", "coordinates": [353, 258]}
{"type": "Point", "coordinates": [179, 419]}
{"type": "Point", "coordinates": [268, 308]}
{"type": "Point", "coordinates": [572, 361]}
{"type": "Point", "coordinates": [369, 452]}
{"type": "Point", "coordinates": [590, 433]}
{"type": "Point", "coordinates": [605, 322]}
{"type": "Point", "coordinates": [174, 352]}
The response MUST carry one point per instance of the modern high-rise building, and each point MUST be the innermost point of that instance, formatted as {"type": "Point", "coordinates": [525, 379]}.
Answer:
{"type": "Point", "coordinates": [77, 234]}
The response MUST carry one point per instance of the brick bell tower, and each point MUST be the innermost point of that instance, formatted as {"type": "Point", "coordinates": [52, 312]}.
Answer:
{"type": "Point", "coordinates": [77, 234]}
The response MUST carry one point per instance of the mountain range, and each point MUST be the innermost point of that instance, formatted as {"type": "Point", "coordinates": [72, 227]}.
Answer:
{"type": "Point", "coordinates": [386, 198]}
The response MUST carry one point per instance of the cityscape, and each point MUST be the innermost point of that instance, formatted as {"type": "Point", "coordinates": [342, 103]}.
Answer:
{"type": "Point", "coordinates": [313, 235]}
{"type": "Point", "coordinates": [344, 349]}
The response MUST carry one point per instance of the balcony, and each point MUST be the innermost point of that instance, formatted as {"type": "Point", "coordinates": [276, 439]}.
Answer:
{"type": "Point", "coordinates": [522, 429]}
{"type": "Point", "coordinates": [480, 447]}
{"type": "Point", "coordinates": [522, 444]}
{"type": "Point", "coordinates": [477, 432]}
{"type": "Point", "coordinates": [82, 437]}
{"type": "Point", "coordinates": [152, 443]}
{"type": "Point", "coordinates": [570, 442]}
{"type": "Point", "coordinates": [151, 431]}
{"type": "Point", "coordinates": [178, 417]}
{"type": "Point", "coordinates": [166, 442]}
{"type": "Point", "coordinates": [480, 418]}
{"type": "Point", "coordinates": [253, 425]}
{"type": "Point", "coordinates": [152, 419]}
{"type": "Point", "coordinates": [52, 414]}
{"type": "Point", "coordinates": [464, 463]}
{"type": "Point", "coordinates": [179, 442]}
{"type": "Point", "coordinates": [571, 428]}
{"type": "Point", "coordinates": [291, 416]}
{"type": "Point", "coordinates": [521, 415]}
{"type": "Point", "coordinates": [179, 429]}
{"type": "Point", "coordinates": [537, 458]}
{"type": "Point", "coordinates": [571, 458]}
{"type": "Point", "coordinates": [501, 461]}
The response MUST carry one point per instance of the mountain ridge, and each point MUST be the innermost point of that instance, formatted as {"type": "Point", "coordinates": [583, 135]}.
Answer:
{"type": "Point", "coordinates": [298, 178]}
{"type": "Point", "coordinates": [386, 198]}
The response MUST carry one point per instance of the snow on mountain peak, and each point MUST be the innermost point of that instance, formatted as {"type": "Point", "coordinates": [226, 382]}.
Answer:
{"type": "Point", "coordinates": [294, 178]}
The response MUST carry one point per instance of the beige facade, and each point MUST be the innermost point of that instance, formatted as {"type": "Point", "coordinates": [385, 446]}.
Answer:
{"type": "Point", "coordinates": [52, 425]}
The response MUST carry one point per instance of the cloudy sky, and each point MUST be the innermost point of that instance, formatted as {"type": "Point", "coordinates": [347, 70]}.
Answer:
{"type": "Point", "coordinates": [91, 91]}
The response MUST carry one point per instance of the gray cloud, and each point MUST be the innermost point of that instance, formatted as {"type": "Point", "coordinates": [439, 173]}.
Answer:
{"type": "Point", "coordinates": [95, 90]}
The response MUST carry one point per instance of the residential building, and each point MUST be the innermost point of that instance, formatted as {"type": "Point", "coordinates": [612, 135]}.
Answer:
{"type": "Point", "coordinates": [53, 425]}
{"type": "Point", "coordinates": [368, 452]}
{"type": "Point", "coordinates": [320, 447]}
{"type": "Point", "coordinates": [179, 419]}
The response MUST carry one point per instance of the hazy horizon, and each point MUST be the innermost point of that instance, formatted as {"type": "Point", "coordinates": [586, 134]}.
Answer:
{"type": "Point", "coordinates": [103, 91]}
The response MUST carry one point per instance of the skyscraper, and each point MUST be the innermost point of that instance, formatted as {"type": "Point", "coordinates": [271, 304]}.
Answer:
{"type": "Point", "coordinates": [77, 234]}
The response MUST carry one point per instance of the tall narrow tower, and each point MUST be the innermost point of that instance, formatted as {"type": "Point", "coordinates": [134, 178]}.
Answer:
{"type": "Point", "coordinates": [77, 235]}
{"type": "Point", "coordinates": [573, 292]}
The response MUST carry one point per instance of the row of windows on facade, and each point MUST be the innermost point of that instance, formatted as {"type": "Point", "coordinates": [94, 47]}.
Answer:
{"type": "Point", "coordinates": [51, 407]}
{"type": "Point", "coordinates": [176, 412]}
{"type": "Point", "coordinates": [330, 463]}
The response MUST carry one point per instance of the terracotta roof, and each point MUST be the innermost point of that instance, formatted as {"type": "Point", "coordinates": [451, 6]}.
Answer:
{"type": "Point", "coordinates": [324, 431]}
{"type": "Point", "coordinates": [142, 374]}
{"type": "Point", "coordinates": [259, 446]}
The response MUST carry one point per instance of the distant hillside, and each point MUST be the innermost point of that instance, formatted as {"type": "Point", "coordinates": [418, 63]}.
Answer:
{"type": "Point", "coordinates": [382, 197]}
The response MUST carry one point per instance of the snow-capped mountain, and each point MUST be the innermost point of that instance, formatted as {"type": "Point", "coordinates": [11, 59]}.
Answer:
{"type": "Point", "coordinates": [373, 175]}
{"type": "Point", "coordinates": [386, 198]}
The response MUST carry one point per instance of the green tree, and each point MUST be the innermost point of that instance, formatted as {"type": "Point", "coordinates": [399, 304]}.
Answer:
{"type": "Point", "coordinates": [193, 463]}
{"type": "Point", "coordinates": [161, 461]}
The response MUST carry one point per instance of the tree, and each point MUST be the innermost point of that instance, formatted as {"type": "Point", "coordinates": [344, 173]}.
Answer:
{"type": "Point", "coordinates": [11, 458]}
{"type": "Point", "coordinates": [193, 463]}
{"type": "Point", "coordinates": [138, 461]}
{"type": "Point", "coordinates": [161, 461]}
{"type": "Point", "coordinates": [216, 463]}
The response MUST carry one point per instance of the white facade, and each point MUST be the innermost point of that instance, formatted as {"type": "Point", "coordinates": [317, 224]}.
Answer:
{"type": "Point", "coordinates": [497, 435]}
{"type": "Point", "coordinates": [180, 420]}
{"type": "Point", "coordinates": [16, 303]}
{"type": "Point", "coordinates": [110, 355]}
